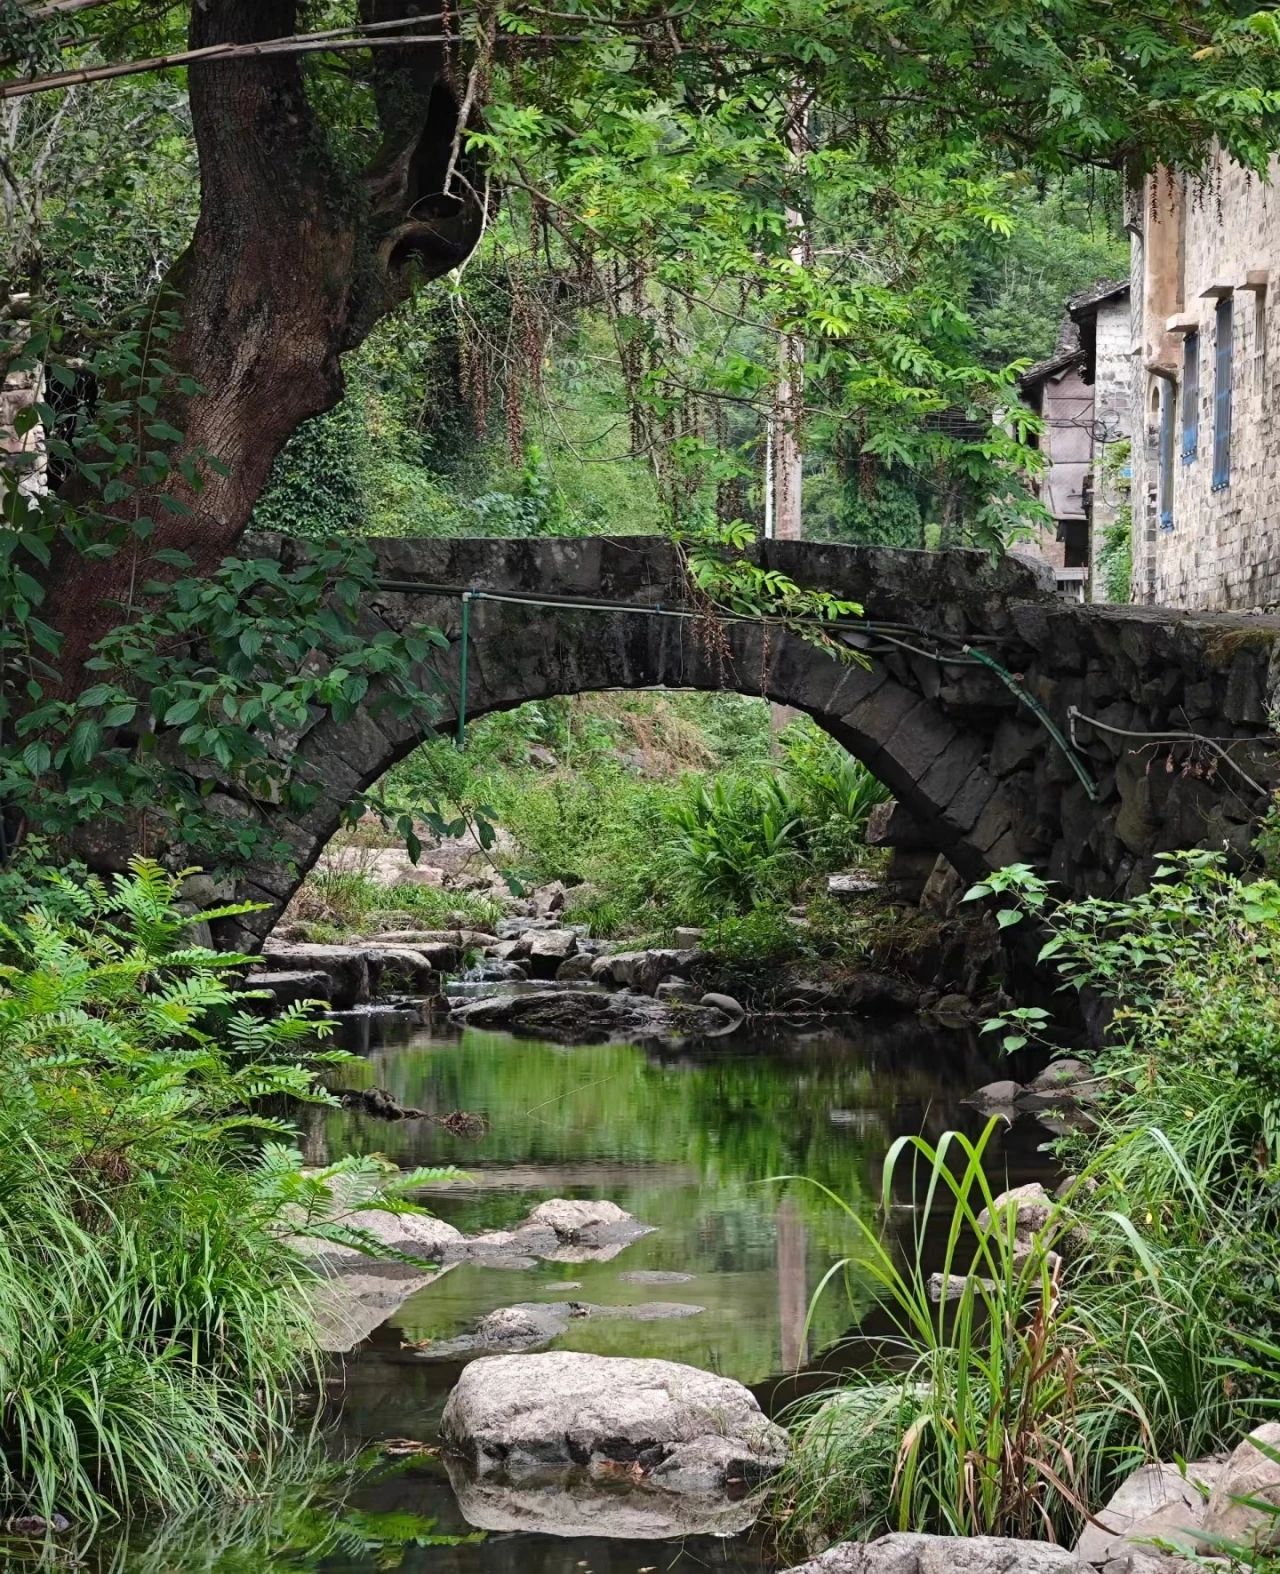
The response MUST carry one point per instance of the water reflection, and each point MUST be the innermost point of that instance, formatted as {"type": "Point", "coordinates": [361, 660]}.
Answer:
{"type": "Point", "coordinates": [690, 1139]}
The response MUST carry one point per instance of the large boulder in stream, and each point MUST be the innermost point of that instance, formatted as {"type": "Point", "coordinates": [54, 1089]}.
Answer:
{"type": "Point", "coordinates": [355, 1291]}
{"type": "Point", "coordinates": [346, 968]}
{"type": "Point", "coordinates": [670, 1425]}
{"type": "Point", "coordinates": [581, 1016]}
{"type": "Point", "coordinates": [1157, 1503]}
{"type": "Point", "coordinates": [645, 970]}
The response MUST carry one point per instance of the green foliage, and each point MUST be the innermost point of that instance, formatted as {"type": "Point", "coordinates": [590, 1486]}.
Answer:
{"type": "Point", "coordinates": [733, 844]}
{"type": "Point", "coordinates": [207, 671]}
{"type": "Point", "coordinates": [723, 829]}
{"type": "Point", "coordinates": [1063, 240]}
{"type": "Point", "coordinates": [836, 792]}
{"type": "Point", "coordinates": [722, 572]}
{"type": "Point", "coordinates": [985, 1424]}
{"type": "Point", "coordinates": [1017, 1406]}
{"type": "Point", "coordinates": [1161, 1341]}
{"type": "Point", "coordinates": [319, 484]}
{"type": "Point", "coordinates": [146, 1205]}
{"type": "Point", "coordinates": [342, 902]}
{"type": "Point", "coordinates": [1115, 560]}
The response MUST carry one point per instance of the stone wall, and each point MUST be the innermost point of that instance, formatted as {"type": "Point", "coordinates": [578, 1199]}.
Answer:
{"type": "Point", "coordinates": [1112, 397]}
{"type": "Point", "coordinates": [969, 750]}
{"type": "Point", "coordinates": [1223, 549]}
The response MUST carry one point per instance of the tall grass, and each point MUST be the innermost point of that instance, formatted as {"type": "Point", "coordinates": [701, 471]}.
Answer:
{"type": "Point", "coordinates": [1020, 1406]}
{"type": "Point", "coordinates": [153, 1311]}
{"type": "Point", "coordinates": [993, 1413]}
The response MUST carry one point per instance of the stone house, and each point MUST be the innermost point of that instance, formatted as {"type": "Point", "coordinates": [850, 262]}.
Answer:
{"type": "Point", "coordinates": [1081, 393]}
{"type": "Point", "coordinates": [1206, 368]}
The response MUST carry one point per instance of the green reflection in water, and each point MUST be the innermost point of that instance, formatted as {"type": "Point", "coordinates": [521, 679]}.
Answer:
{"type": "Point", "coordinates": [685, 1139]}
{"type": "Point", "coordinates": [687, 1142]}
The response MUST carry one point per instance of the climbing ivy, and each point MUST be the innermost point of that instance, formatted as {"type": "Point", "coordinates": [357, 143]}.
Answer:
{"type": "Point", "coordinates": [207, 678]}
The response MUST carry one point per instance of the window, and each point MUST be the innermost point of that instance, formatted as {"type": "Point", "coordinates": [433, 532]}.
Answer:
{"type": "Point", "coordinates": [1222, 374]}
{"type": "Point", "coordinates": [1260, 343]}
{"type": "Point", "coordinates": [1166, 454]}
{"type": "Point", "coordinates": [1190, 397]}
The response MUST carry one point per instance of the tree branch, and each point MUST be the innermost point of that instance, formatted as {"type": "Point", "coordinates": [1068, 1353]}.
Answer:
{"type": "Point", "coordinates": [354, 37]}
{"type": "Point", "coordinates": [52, 8]}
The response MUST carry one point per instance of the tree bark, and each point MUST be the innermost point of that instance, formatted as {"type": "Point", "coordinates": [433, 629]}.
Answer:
{"type": "Point", "coordinates": [293, 261]}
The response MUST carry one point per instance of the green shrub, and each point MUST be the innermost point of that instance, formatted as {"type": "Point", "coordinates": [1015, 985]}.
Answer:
{"type": "Point", "coordinates": [836, 793]}
{"type": "Point", "coordinates": [763, 935]}
{"type": "Point", "coordinates": [734, 844]}
{"type": "Point", "coordinates": [345, 902]}
{"type": "Point", "coordinates": [153, 1315]}
{"type": "Point", "coordinates": [1019, 1408]}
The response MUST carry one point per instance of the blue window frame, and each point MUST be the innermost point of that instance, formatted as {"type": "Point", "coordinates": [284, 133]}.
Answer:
{"type": "Point", "coordinates": [1166, 454]}
{"type": "Point", "coordinates": [1190, 397]}
{"type": "Point", "coordinates": [1222, 375]}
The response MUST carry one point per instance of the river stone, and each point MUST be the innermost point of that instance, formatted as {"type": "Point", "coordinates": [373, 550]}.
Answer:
{"type": "Point", "coordinates": [570, 1218]}
{"type": "Point", "coordinates": [354, 1296]}
{"type": "Point", "coordinates": [1033, 1206]}
{"type": "Point", "coordinates": [521, 1414]}
{"type": "Point", "coordinates": [290, 987]}
{"type": "Point", "coordinates": [581, 1016]}
{"type": "Point", "coordinates": [1063, 1082]}
{"type": "Point", "coordinates": [444, 955]}
{"type": "Point", "coordinates": [575, 969]}
{"type": "Point", "coordinates": [546, 951]}
{"type": "Point", "coordinates": [996, 1096]}
{"type": "Point", "coordinates": [951, 1286]}
{"type": "Point", "coordinates": [496, 973]}
{"type": "Point", "coordinates": [559, 1230]}
{"type": "Point", "coordinates": [644, 970]}
{"type": "Point", "coordinates": [401, 970]}
{"type": "Point", "coordinates": [532, 1323]}
{"type": "Point", "coordinates": [1248, 1473]}
{"type": "Point", "coordinates": [346, 968]}
{"type": "Point", "coordinates": [905, 1552]}
{"type": "Point", "coordinates": [678, 991]}
{"type": "Point", "coordinates": [716, 1001]}
{"type": "Point", "coordinates": [1152, 1490]}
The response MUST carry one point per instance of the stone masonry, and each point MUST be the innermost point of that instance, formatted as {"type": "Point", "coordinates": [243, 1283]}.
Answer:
{"type": "Point", "coordinates": [1193, 246]}
{"type": "Point", "coordinates": [957, 743]}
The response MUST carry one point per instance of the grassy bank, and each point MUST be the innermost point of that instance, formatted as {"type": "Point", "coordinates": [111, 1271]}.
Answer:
{"type": "Point", "coordinates": [1140, 1319]}
{"type": "Point", "coordinates": [153, 1315]}
{"type": "Point", "coordinates": [654, 811]}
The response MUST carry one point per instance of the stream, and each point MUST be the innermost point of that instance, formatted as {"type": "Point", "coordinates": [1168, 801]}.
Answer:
{"type": "Point", "coordinates": [687, 1138]}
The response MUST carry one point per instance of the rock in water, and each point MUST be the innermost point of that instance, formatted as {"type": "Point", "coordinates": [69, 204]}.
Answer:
{"type": "Point", "coordinates": [523, 1415]}
{"type": "Point", "coordinates": [578, 1505]}
{"type": "Point", "coordinates": [571, 1016]}
{"type": "Point", "coordinates": [569, 1217]}
{"type": "Point", "coordinates": [904, 1552]}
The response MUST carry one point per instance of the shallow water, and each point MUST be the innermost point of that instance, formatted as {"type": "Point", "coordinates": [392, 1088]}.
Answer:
{"type": "Point", "coordinates": [689, 1139]}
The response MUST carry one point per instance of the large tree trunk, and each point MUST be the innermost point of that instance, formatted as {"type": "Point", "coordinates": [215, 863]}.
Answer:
{"type": "Point", "coordinates": [292, 262]}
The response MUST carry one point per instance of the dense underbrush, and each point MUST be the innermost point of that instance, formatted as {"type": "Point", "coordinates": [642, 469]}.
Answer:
{"type": "Point", "coordinates": [1141, 1320]}
{"type": "Point", "coordinates": [153, 1314]}
{"type": "Point", "coordinates": [654, 812]}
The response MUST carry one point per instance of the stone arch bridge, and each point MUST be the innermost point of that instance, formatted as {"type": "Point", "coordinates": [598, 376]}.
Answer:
{"type": "Point", "coordinates": [975, 744]}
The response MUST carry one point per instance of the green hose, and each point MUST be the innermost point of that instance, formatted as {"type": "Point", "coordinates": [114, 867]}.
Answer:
{"type": "Point", "coordinates": [1042, 716]}
{"type": "Point", "coordinates": [465, 639]}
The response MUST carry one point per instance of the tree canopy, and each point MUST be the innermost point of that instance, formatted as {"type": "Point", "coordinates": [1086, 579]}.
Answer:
{"type": "Point", "coordinates": [207, 208]}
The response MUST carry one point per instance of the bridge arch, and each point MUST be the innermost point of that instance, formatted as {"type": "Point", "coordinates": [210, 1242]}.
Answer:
{"type": "Point", "coordinates": [972, 756]}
